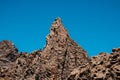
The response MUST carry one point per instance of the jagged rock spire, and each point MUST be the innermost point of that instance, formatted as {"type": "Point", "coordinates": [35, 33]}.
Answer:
{"type": "Point", "coordinates": [57, 28]}
{"type": "Point", "coordinates": [61, 53]}
{"type": "Point", "coordinates": [57, 36]}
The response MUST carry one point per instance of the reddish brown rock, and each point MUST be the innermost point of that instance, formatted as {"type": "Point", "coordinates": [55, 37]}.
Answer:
{"type": "Point", "coordinates": [61, 53]}
{"type": "Point", "coordinates": [61, 59]}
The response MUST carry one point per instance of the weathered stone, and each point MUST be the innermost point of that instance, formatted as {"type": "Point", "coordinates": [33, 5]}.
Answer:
{"type": "Point", "coordinates": [61, 59]}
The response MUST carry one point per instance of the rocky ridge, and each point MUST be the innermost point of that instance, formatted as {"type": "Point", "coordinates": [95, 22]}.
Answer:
{"type": "Point", "coordinates": [61, 59]}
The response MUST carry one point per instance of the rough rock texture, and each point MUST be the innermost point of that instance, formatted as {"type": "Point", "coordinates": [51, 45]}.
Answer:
{"type": "Point", "coordinates": [61, 59]}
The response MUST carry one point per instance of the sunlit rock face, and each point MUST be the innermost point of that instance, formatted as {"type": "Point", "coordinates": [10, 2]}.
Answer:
{"type": "Point", "coordinates": [61, 53]}
{"type": "Point", "coordinates": [61, 59]}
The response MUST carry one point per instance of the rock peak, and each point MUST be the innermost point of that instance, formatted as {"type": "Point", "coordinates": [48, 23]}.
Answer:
{"type": "Point", "coordinates": [57, 28]}
{"type": "Point", "coordinates": [57, 23]}
{"type": "Point", "coordinates": [57, 33]}
{"type": "Point", "coordinates": [58, 19]}
{"type": "Point", "coordinates": [63, 52]}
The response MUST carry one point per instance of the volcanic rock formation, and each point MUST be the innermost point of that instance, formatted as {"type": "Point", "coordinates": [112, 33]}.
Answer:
{"type": "Point", "coordinates": [61, 59]}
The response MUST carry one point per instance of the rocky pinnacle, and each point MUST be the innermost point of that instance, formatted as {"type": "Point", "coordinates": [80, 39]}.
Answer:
{"type": "Point", "coordinates": [61, 59]}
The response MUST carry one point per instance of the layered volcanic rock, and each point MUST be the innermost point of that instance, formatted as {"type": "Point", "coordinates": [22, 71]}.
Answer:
{"type": "Point", "coordinates": [61, 59]}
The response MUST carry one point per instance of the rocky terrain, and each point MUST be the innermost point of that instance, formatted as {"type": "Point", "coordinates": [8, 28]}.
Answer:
{"type": "Point", "coordinates": [61, 59]}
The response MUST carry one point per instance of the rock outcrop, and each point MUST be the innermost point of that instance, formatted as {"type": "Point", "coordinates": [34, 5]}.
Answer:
{"type": "Point", "coordinates": [61, 59]}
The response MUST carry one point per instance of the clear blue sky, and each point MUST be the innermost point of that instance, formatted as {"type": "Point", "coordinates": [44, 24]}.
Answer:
{"type": "Point", "coordinates": [93, 24]}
